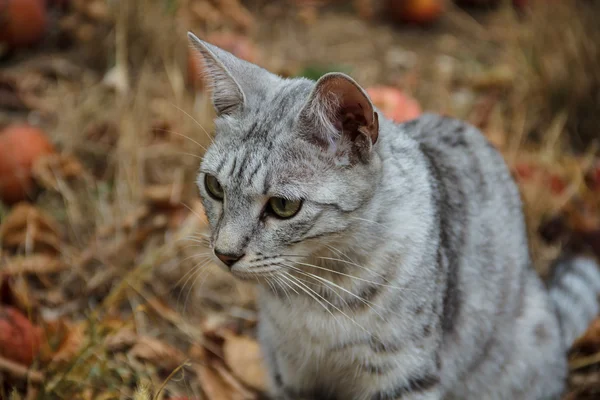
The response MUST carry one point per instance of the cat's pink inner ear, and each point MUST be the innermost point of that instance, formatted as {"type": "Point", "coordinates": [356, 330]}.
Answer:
{"type": "Point", "coordinates": [349, 107]}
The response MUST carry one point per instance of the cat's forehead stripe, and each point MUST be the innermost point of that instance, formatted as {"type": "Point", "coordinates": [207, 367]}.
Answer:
{"type": "Point", "coordinates": [275, 116]}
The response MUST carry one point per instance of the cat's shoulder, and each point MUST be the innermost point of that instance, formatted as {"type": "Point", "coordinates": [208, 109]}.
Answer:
{"type": "Point", "coordinates": [450, 136]}
{"type": "Point", "coordinates": [443, 130]}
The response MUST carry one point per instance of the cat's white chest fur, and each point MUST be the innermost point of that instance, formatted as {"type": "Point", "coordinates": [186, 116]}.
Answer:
{"type": "Point", "coordinates": [294, 320]}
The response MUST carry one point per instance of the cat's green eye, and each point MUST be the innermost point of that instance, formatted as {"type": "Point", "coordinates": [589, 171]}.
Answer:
{"type": "Point", "coordinates": [213, 187]}
{"type": "Point", "coordinates": [284, 208]}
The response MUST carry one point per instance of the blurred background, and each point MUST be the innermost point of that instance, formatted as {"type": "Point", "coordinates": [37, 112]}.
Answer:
{"type": "Point", "coordinates": [106, 291]}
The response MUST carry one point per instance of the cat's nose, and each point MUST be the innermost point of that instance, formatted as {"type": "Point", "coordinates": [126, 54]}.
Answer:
{"type": "Point", "coordinates": [228, 259]}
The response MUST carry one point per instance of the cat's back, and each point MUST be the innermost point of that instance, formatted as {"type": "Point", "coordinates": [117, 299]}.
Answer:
{"type": "Point", "coordinates": [482, 233]}
{"type": "Point", "coordinates": [478, 201]}
{"type": "Point", "coordinates": [464, 165]}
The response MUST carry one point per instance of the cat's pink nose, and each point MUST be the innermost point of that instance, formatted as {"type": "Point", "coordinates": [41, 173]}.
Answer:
{"type": "Point", "coordinates": [228, 259]}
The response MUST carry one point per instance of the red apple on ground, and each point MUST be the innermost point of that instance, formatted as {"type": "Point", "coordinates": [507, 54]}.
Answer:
{"type": "Point", "coordinates": [19, 338]}
{"type": "Point", "coordinates": [20, 147]}
{"type": "Point", "coordinates": [22, 22]}
{"type": "Point", "coordinates": [416, 11]}
{"type": "Point", "coordinates": [394, 103]}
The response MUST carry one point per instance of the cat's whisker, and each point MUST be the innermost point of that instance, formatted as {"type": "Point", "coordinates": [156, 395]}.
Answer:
{"type": "Point", "coordinates": [191, 246]}
{"type": "Point", "coordinates": [197, 235]}
{"type": "Point", "coordinates": [197, 246]}
{"type": "Point", "coordinates": [339, 252]}
{"type": "Point", "coordinates": [273, 288]}
{"type": "Point", "coordinates": [200, 235]}
{"type": "Point", "coordinates": [186, 275]}
{"type": "Point", "coordinates": [287, 284]}
{"type": "Point", "coordinates": [182, 135]}
{"type": "Point", "coordinates": [354, 265]}
{"type": "Point", "coordinates": [278, 281]}
{"type": "Point", "coordinates": [194, 239]}
{"type": "Point", "coordinates": [207, 272]}
{"type": "Point", "coordinates": [193, 211]}
{"type": "Point", "coordinates": [349, 276]}
{"type": "Point", "coordinates": [191, 270]}
{"type": "Point", "coordinates": [368, 220]}
{"type": "Point", "coordinates": [202, 239]}
{"type": "Point", "coordinates": [349, 259]}
{"type": "Point", "coordinates": [308, 291]}
{"type": "Point", "coordinates": [196, 270]}
{"type": "Point", "coordinates": [332, 284]}
{"type": "Point", "coordinates": [319, 281]}
{"type": "Point", "coordinates": [194, 236]}
{"type": "Point", "coordinates": [335, 307]}
{"type": "Point", "coordinates": [205, 257]}
{"type": "Point", "coordinates": [183, 153]}
{"type": "Point", "coordinates": [196, 121]}
{"type": "Point", "coordinates": [277, 284]}
{"type": "Point", "coordinates": [352, 262]}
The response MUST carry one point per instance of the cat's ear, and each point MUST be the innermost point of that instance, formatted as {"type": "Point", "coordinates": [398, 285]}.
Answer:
{"type": "Point", "coordinates": [223, 72]}
{"type": "Point", "coordinates": [339, 108]}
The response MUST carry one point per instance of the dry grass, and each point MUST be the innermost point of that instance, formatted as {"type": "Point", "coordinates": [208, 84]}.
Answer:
{"type": "Point", "coordinates": [560, 70]}
{"type": "Point", "coordinates": [132, 315]}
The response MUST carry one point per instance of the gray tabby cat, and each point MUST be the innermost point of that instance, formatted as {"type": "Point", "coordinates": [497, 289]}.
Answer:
{"type": "Point", "coordinates": [392, 259]}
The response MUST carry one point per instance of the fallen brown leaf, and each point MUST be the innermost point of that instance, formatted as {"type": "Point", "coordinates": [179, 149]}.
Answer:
{"type": "Point", "coordinates": [51, 169]}
{"type": "Point", "coordinates": [10, 95]}
{"type": "Point", "coordinates": [23, 214]}
{"type": "Point", "coordinates": [97, 11]}
{"type": "Point", "coordinates": [32, 240]}
{"type": "Point", "coordinates": [498, 77]}
{"type": "Point", "coordinates": [121, 340]}
{"type": "Point", "coordinates": [105, 134]}
{"type": "Point", "coordinates": [127, 223]}
{"type": "Point", "coordinates": [233, 381]}
{"type": "Point", "coordinates": [214, 387]}
{"type": "Point", "coordinates": [35, 264]}
{"type": "Point", "coordinates": [61, 340]}
{"type": "Point", "coordinates": [71, 344]}
{"type": "Point", "coordinates": [29, 228]}
{"type": "Point", "coordinates": [163, 195]}
{"type": "Point", "coordinates": [197, 353]}
{"type": "Point", "coordinates": [157, 353]}
{"type": "Point", "coordinates": [589, 342]}
{"type": "Point", "coordinates": [14, 292]}
{"type": "Point", "coordinates": [244, 358]}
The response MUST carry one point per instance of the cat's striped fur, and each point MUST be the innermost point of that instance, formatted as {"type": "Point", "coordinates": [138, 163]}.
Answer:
{"type": "Point", "coordinates": [406, 272]}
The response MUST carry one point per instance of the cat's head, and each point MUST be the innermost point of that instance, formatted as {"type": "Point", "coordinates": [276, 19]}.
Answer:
{"type": "Point", "coordinates": [291, 166]}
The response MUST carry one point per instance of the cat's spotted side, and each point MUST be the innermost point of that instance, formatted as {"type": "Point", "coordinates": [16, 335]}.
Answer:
{"type": "Point", "coordinates": [392, 260]}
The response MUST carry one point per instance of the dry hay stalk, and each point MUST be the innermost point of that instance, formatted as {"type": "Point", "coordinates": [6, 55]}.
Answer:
{"type": "Point", "coordinates": [558, 55]}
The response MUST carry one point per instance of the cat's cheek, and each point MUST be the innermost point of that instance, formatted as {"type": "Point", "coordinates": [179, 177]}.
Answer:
{"type": "Point", "coordinates": [300, 249]}
{"type": "Point", "coordinates": [213, 212]}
